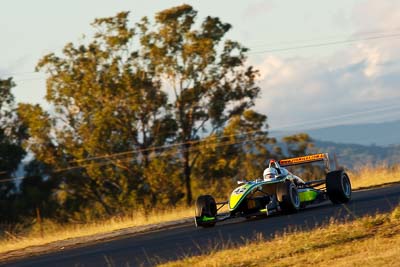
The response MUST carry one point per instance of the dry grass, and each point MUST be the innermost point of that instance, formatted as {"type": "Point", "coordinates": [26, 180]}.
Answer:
{"type": "Point", "coordinates": [364, 177]}
{"type": "Point", "coordinates": [370, 241]}
{"type": "Point", "coordinates": [55, 232]}
{"type": "Point", "coordinates": [368, 175]}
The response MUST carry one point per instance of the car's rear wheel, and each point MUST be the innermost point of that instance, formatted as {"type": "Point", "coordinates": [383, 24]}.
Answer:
{"type": "Point", "coordinates": [338, 187]}
{"type": "Point", "coordinates": [288, 197]}
{"type": "Point", "coordinates": [206, 211]}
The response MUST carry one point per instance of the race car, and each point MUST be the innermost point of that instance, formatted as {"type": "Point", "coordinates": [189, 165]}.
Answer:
{"type": "Point", "coordinates": [286, 193]}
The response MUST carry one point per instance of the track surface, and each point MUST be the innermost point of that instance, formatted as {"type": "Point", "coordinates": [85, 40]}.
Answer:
{"type": "Point", "coordinates": [151, 248]}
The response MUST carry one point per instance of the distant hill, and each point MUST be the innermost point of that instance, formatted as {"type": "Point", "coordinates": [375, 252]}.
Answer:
{"type": "Point", "coordinates": [378, 134]}
{"type": "Point", "coordinates": [353, 155]}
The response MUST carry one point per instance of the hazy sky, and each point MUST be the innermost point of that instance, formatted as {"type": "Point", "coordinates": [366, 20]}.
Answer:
{"type": "Point", "coordinates": [321, 62]}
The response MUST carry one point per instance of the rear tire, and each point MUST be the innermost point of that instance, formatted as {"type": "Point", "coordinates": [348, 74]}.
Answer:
{"type": "Point", "coordinates": [338, 187]}
{"type": "Point", "coordinates": [288, 197]}
{"type": "Point", "coordinates": [205, 207]}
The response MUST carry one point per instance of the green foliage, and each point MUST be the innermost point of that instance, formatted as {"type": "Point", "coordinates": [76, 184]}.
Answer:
{"type": "Point", "coordinates": [11, 152]}
{"type": "Point", "coordinates": [164, 181]}
{"type": "Point", "coordinates": [298, 144]}
{"type": "Point", "coordinates": [105, 102]}
{"type": "Point", "coordinates": [35, 192]}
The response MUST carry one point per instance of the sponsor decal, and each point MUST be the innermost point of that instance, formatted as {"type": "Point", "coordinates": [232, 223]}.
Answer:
{"type": "Point", "coordinates": [304, 159]}
{"type": "Point", "coordinates": [240, 190]}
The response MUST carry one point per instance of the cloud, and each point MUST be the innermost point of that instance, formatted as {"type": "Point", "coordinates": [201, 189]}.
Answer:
{"type": "Point", "coordinates": [376, 15]}
{"type": "Point", "coordinates": [358, 83]}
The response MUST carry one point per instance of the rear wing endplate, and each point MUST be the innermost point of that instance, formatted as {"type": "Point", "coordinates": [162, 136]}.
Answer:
{"type": "Point", "coordinates": [306, 159]}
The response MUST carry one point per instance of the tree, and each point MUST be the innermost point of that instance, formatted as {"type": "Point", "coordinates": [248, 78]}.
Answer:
{"type": "Point", "coordinates": [105, 102]}
{"type": "Point", "coordinates": [205, 72]}
{"type": "Point", "coordinates": [298, 144]}
{"type": "Point", "coordinates": [36, 192]}
{"type": "Point", "coordinates": [11, 152]}
{"type": "Point", "coordinates": [164, 180]}
{"type": "Point", "coordinates": [119, 99]}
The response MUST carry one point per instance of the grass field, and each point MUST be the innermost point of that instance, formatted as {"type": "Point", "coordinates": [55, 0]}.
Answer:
{"type": "Point", "coordinates": [369, 241]}
{"type": "Point", "coordinates": [365, 177]}
{"type": "Point", "coordinates": [369, 175]}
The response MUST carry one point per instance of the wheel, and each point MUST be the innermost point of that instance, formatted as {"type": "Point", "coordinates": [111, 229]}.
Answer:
{"type": "Point", "coordinates": [288, 197]}
{"type": "Point", "coordinates": [338, 187]}
{"type": "Point", "coordinates": [206, 211]}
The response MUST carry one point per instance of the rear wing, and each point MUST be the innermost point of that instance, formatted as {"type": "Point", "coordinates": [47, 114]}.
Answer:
{"type": "Point", "coordinates": [306, 159]}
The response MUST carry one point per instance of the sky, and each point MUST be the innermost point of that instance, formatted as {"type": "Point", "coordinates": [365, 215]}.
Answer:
{"type": "Point", "coordinates": [321, 62]}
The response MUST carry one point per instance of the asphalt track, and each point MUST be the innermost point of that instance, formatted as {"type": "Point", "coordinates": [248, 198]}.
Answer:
{"type": "Point", "coordinates": [159, 246]}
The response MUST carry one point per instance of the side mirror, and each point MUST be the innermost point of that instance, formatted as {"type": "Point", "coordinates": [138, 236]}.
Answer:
{"type": "Point", "coordinates": [241, 182]}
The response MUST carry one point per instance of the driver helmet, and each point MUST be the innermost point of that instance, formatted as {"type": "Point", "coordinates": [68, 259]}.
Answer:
{"type": "Point", "coordinates": [270, 174]}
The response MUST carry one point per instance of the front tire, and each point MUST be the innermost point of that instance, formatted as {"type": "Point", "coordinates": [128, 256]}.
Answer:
{"type": "Point", "coordinates": [206, 211]}
{"type": "Point", "coordinates": [338, 187]}
{"type": "Point", "coordinates": [288, 197]}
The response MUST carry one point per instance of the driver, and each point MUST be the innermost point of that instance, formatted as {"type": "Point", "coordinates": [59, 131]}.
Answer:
{"type": "Point", "coordinates": [270, 174]}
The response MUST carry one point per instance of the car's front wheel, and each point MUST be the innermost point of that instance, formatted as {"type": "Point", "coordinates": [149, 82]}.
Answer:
{"type": "Point", "coordinates": [206, 211]}
{"type": "Point", "coordinates": [288, 197]}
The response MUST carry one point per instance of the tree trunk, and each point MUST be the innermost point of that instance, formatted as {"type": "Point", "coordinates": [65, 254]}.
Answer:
{"type": "Point", "coordinates": [99, 198]}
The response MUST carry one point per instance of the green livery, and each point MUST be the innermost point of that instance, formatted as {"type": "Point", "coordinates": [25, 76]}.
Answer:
{"type": "Point", "coordinates": [240, 193]}
{"type": "Point", "coordinates": [307, 194]}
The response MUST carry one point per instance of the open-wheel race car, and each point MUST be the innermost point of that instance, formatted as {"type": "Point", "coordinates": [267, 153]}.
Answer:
{"type": "Point", "coordinates": [284, 192]}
